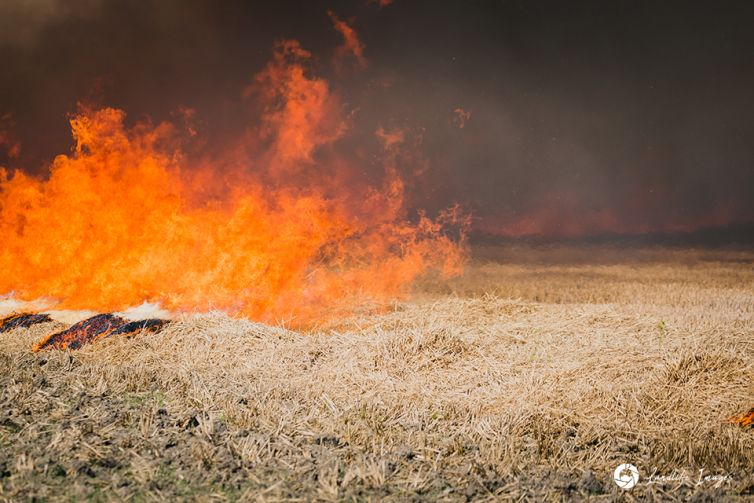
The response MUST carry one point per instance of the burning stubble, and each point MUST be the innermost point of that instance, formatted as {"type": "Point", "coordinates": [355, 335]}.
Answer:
{"type": "Point", "coordinates": [96, 328]}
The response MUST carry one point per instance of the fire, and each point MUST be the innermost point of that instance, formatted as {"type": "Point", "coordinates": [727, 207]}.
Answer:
{"type": "Point", "coordinates": [8, 142]}
{"type": "Point", "coordinates": [461, 117]}
{"type": "Point", "coordinates": [22, 320]}
{"type": "Point", "coordinates": [96, 328]}
{"type": "Point", "coordinates": [744, 420]}
{"type": "Point", "coordinates": [280, 227]}
{"type": "Point", "coordinates": [352, 45]}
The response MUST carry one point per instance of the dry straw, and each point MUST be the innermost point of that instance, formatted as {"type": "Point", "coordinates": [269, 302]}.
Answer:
{"type": "Point", "coordinates": [528, 379]}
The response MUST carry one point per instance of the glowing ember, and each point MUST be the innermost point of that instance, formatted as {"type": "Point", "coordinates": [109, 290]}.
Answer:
{"type": "Point", "coordinates": [96, 328]}
{"type": "Point", "coordinates": [744, 420]}
{"type": "Point", "coordinates": [152, 325]}
{"type": "Point", "coordinates": [23, 320]}
{"type": "Point", "coordinates": [84, 332]}
{"type": "Point", "coordinates": [280, 227]}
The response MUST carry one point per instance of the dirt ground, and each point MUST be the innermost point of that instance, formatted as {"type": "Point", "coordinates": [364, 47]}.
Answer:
{"type": "Point", "coordinates": [532, 377]}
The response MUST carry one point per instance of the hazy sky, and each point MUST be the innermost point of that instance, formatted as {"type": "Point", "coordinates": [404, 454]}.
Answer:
{"type": "Point", "coordinates": [583, 115]}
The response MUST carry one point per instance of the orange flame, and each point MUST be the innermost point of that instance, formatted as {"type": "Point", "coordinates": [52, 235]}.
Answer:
{"type": "Point", "coordinates": [461, 116]}
{"type": "Point", "coordinates": [352, 45]}
{"type": "Point", "coordinates": [8, 141]}
{"type": "Point", "coordinates": [744, 420]}
{"type": "Point", "coordinates": [278, 229]}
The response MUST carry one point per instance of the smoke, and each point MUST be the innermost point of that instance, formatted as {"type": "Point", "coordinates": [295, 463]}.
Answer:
{"type": "Point", "coordinates": [23, 21]}
{"type": "Point", "coordinates": [584, 118]}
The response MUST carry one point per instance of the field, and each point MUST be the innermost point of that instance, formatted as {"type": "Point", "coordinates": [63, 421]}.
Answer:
{"type": "Point", "coordinates": [531, 377]}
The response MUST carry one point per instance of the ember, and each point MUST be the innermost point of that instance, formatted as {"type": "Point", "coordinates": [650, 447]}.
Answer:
{"type": "Point", "coordinates": [96, 328]}
{"type": "Point", "coordinates": [83, 332]}
{"type": "Point", "coordinates": [23, 320]}
{"type": "Point", "coordinates": [744, 420]}
{"type": "Point", "coordinates": [152, 325]}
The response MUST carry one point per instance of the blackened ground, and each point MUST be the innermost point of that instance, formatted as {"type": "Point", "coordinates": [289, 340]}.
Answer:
{"type": "Point", "coordinates": [22, 320]}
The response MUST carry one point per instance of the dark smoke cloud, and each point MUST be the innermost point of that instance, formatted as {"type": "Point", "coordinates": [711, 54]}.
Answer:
{"type": "Point", "coordinates": [23, 21]}
{"type": "Point", "coordinates": [582, 117]}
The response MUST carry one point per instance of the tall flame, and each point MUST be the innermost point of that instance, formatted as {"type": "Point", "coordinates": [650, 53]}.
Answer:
{"type": "Point", "coordinates": [271, 231]}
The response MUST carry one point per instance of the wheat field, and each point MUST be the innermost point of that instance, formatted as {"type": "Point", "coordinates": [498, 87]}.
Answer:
{"type": "Point", "coordinates": [531, 377]}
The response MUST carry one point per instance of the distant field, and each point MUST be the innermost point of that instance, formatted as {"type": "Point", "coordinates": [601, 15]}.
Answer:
{"type": "Point", "coordinates": [533, 376]}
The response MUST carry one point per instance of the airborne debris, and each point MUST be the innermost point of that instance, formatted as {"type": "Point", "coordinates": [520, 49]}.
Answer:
{"type": "Point", "coordinates": [22, 320]}
{"type": "Point", "coordinates": [96, 328]}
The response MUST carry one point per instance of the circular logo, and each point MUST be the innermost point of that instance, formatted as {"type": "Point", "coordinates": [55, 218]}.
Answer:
{"type": "Point", "coordinates": [626, 476]}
